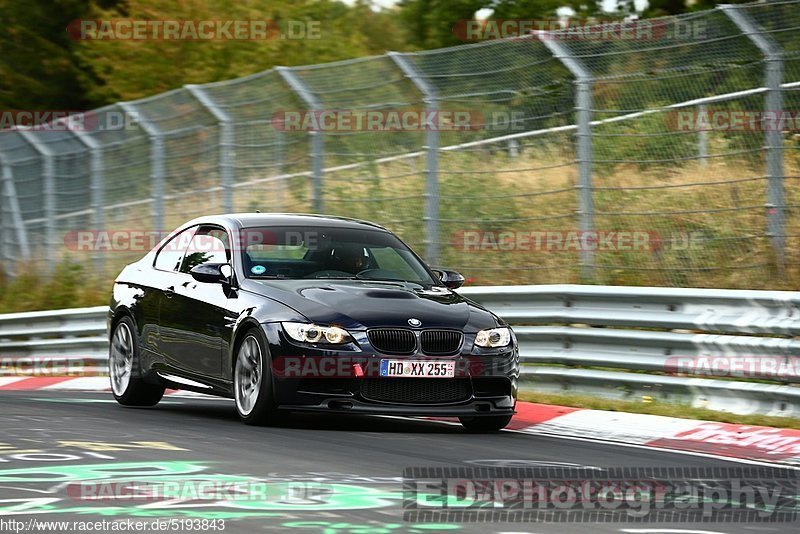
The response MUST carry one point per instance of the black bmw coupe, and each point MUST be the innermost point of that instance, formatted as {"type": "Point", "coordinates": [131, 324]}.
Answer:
{"type": "Point", "coordinates": [285, 312]}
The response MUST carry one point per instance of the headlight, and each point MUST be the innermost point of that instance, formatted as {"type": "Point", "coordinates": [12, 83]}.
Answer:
{"type": "Point", "coordinates": [312, 333]}
{"type": "Point", "coordinates": [494, 337]}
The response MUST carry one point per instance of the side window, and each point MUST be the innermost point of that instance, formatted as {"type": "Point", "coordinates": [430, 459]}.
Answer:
{"type": "Point", "coordinates": [169, 257]}
{"type": "Point", "coordinates": [209, 245]}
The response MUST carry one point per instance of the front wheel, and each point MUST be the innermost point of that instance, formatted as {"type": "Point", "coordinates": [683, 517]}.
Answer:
{"type": "Point", "coordinates": [491, 423]}
{"type": "Point", "coordinates": [252, 382]}
{"type": "Point", "coordinates": [124, 369]}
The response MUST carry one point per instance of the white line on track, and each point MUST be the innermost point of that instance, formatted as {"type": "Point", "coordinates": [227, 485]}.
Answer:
{"type": "Point", "coordinates": [5, 380]}
{"type": "Point", "coordinates": [630, 445]}
{"type": "Point", "coordinates": [662, 449]}
{"type": "Point", "coordinates": [667, 531]}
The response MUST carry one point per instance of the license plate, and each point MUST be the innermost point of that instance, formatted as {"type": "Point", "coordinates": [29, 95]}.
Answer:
{"type": "Point", "coordinates": [418, 369]}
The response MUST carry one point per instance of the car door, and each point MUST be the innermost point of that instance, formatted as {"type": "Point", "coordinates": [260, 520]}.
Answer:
{"type": "Point", "coordinates": [167, 262]}
{"type": "Point", "coordinates": [194, 320]}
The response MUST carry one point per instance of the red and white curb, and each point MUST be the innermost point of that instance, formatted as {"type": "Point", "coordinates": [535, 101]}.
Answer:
{"type": "Point", "coordinates": [747, 442]}
{"type": "Point", "coordinates": [61, 383]}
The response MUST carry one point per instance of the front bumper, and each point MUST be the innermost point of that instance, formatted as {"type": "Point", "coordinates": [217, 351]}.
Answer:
{"type": "Point", "coordinates": [473, 408]}
{"type": "Point", "coordinates": [487, 381]}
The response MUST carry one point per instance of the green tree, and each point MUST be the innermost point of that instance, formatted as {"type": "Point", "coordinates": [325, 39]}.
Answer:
{"type": "Point", "coordinates": [429, 23]}
{"type": "Point", "coordinates": [130, 69]}
{"type": "Point", "coordinates": [38, 65]}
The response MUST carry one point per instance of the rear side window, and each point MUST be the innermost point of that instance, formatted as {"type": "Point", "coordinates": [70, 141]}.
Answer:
{"type": "Point", "coordinates": [170, 256]}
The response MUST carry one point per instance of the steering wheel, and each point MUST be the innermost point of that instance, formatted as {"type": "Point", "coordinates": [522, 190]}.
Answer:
{"type": "Point", "coordinates": [376, 273]}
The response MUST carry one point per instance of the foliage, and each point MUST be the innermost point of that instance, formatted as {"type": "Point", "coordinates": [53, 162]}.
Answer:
{"type": "Point", "coordinates": [71, 286]}
{"type": "Point", "coordinates": [133, 69]}
{"type": "Point", "coordinates": [43, 66]}
{"type": "Point", "coordinates": [38, 65]}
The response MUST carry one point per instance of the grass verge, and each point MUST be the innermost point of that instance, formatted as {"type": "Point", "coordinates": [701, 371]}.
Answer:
{"type": "Point", "coordinates": [683, 411]}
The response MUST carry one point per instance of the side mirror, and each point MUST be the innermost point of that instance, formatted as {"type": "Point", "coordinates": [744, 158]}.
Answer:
{"type": "Point", "coordinates": [450, 279]}
{"type": "Point", "coordinates": [212, 273]}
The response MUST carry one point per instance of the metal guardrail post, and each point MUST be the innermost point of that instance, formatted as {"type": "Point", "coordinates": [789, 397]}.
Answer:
{"type": "Point", "coordinates": [431, 217]}
{"type": "Point", "coordinates": [317, 139]}
{"type": "Point", "coordinates": [773, 136]}
{"type": "Point", "coordinates": [583, 108]}
{"type": "Point", "coordinates": [11, 219]}
{"type": "Point", "coordinates": [156, 163]}
{"type": "Point", "coordinates": [96, 171]}
{"type": "Point", "coordinates": [49, 192]}
{"type": "Point", "coordinates": [226, 143]}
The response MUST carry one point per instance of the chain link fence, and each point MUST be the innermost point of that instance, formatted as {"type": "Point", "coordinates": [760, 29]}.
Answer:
{"type": "Point", "coordinates": [642, 153]}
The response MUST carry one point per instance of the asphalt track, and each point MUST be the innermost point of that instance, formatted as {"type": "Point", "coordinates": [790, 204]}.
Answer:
{"type": "Point", "coordinates": [325, 474]}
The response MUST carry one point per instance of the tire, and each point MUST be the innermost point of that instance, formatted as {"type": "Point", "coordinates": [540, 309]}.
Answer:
{"type": "Point", "coordinates": [491, 423]}
{"type": "Point", "coordinates": [252, 381]}
{"type": "Point", "coordinates": [124, 368]}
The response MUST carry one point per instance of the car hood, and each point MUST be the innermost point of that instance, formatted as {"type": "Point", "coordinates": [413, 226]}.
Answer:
{"type": "Point", "coordinates": [358, 304]}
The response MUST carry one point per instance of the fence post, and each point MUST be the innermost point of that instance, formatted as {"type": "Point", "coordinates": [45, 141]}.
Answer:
{"type": "Point", "coordinates": [431, 217]}
{"type": "Point", "coordinates": [156, 163]}
{"type": "Point", "coordinates": [702, 139]}
{"type": "Point", "coordinates": [317, 141]}
{"type": "Point", "coordinates": [583, 109]}
{"type": "Point", "coordinates": [11, 217]}
{"type": "Point", "coordinates": [226, 143]}
{"type": "Point", "coordinates": [5, 224]}
{"type": "Point", "coordinates": [49, 195]}
{"type": "Point", "coordinates": [96, 171]}
{"type": "Point", "coordinates": [773, 137]}
{"type": "Point", "coordinates": [282, 186]}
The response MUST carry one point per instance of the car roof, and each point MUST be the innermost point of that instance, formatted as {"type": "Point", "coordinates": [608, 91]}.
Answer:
{"type": "Point", "coordinates": [250, 220]}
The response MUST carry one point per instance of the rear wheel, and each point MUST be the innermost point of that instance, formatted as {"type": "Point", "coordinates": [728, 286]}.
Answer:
{"type": "Point", "coordinates": [491, 423]}
{"type": "Point", "coordinates": [252, 382]}
{"type": "Point", "coordinates": [124, 370]}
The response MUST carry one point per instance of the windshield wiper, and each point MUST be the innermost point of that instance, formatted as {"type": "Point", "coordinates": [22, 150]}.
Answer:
{"type": "Point", "coordinates": [357, 277]}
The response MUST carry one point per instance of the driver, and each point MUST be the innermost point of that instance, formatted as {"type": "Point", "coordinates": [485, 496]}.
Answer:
{"type": "Point", "coordinates": [350, 258]}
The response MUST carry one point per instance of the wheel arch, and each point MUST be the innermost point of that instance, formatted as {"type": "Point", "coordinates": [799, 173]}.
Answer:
{"type": "Point", "coordinates": [117, 315]}
{"type": "Point", "coordinates": [238, 336]}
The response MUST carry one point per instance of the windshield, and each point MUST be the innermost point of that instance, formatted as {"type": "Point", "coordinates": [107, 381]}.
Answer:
{"type": "Point", "coordinates": [333, 253]}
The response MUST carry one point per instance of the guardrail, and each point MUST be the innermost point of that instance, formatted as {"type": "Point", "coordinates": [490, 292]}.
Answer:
{"type": "Point", "coordinates": [649, 343]}
{"type": "Point", "coordinates": [724, 349]}
{"type": "Point", "coordinates": [71, 341]}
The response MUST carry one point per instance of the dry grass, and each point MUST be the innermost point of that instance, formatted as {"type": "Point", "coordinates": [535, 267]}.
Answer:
{"type": "Point", "coordinates": [486, 189]}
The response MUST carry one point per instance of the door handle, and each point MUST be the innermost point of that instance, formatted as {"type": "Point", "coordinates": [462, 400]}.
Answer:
{"type": "Point", "coordinates": [169, 292]}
